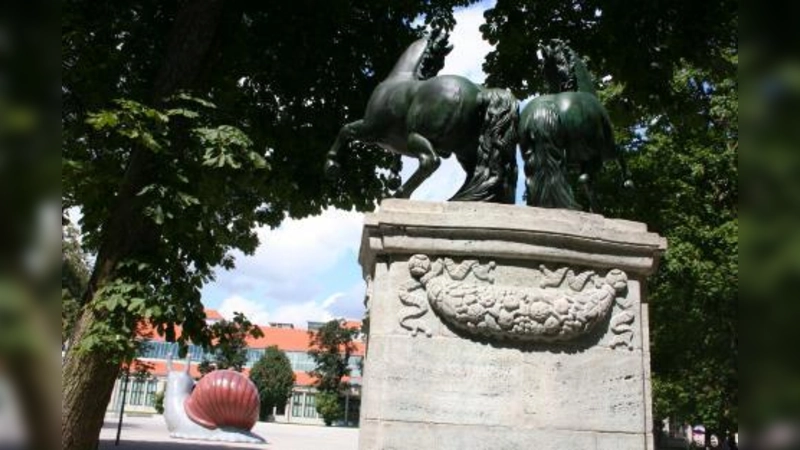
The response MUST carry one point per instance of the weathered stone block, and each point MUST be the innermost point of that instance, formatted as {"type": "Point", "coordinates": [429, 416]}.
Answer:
{"type": "Point", "coordinates": [495, 326]}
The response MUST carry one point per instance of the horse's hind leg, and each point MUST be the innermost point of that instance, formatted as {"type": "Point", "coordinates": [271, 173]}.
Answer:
{"type": "Point", "coordinates": [349, 132]}
{"type": "Point", "coordinates": [429, 161]}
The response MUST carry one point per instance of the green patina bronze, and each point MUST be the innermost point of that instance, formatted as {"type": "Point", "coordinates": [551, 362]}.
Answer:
{"type": "Point", "coordinates": [417, 114]}
{"type": "Point", "coordinates": [565, 129]}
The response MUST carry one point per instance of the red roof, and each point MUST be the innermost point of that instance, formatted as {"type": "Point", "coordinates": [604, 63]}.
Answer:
{"type": "Point", "coordinates": [159, 368]}
{"type": "Point", "coordinates": [213, 314]}
{"type": "Point", "coordinates": [286, 339]}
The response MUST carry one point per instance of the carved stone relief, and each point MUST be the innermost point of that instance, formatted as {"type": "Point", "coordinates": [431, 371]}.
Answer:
{"type": "Point", "coordinates": [622, 324]}
{"type": "Point", "coordinates": [562, 304]}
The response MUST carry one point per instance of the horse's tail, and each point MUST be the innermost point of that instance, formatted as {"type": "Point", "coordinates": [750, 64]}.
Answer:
{"type": "Point", "coordinates": [627, 181]}
{"type": "Point", "coordinates": [544, 155]}
{"type": "Point", "coordinates": [495, 177]}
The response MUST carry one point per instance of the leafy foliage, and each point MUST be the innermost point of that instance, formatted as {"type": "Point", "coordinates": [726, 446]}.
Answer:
{"type": "Point", "coordinates": [673, 100]}
{"type": "Point", "coordinates": [198, 168]}
{"type": "Point", "coordinates": [668, 36]}
{"type": "Point", "coordinates": [229, 344]}
{"type": "Point", "coordinates": [274, 378]}
{"type": "Point", "coordinates": [159, 402]}
{"type": "Point", "coordinates": [185, 126]}
{"type": "Point", "coordinates": [287, 74]}
{"type": "Point", "coordinates": [74, 278]}
{"type": "Point", "coordinates": [331, 347]}
{"type": "Point", "coordinates": [329, 406]}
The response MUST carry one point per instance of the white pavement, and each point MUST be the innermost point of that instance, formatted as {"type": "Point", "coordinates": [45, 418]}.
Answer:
{"type": "Point", "coordinates": [150, 433]}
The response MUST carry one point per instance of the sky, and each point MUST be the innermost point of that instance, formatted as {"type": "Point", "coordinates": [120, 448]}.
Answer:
{"type": "Point", "coordinates": [307, 270]}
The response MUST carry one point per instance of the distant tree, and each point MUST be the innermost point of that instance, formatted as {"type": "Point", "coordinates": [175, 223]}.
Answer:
{"type": "Point", "coordinates": [274, 378]}
{"type": "Point", "coordinates": [229, 344]}
{"type": "Point", "coordinates": [74, 277]}
{"type": "Point", "coordinates": [331, 347]}
{"type": "Point", "coordinates": [329, 406]}
{"type": "Point", "coordinates": [159, 402]}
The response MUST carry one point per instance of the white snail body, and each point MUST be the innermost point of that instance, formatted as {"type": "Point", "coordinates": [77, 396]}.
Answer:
{"type": "Point", "coordinates": [210, 425]}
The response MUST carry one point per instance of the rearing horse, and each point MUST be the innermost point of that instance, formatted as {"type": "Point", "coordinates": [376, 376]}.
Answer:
{"type": "Point", "coordinates": [432, 117]}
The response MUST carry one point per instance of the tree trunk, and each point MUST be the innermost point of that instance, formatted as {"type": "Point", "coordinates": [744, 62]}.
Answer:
{"type": "Point", "coordinates": [88, 376]}
{"type": "Point", "coordinates": [88, 382]}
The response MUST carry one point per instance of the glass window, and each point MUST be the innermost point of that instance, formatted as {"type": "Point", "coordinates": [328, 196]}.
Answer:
{"type": "Point", "coordinates": [311, 406]}
{"type": "Point", "coordinates": [150, 397]}
{"type": "Point", "coordinates": [297, 404]}
{"type": "Point", "coordinates": [196, 352]}
{"type": "Point", "coordinates": [301, 361]}
{"type": "Point", "coordinates": [253, 356]}
{"type": "Point", "coordinates": [136, 392]}
{"type": "Point", "coordinates": [354, 364]}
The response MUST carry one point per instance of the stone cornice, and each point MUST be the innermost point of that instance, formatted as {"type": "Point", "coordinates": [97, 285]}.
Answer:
{"type": "Point", "coordinates": [402, 227]}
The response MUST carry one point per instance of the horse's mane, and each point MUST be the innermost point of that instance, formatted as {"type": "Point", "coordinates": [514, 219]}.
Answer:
{"type": "Point", "coordinates": [432, 59]}
{"type": "Point", "coordinates": [564, 70]}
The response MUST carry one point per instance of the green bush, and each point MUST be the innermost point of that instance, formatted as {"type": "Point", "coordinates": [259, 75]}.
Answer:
{"type": "Point", "coordinates": [329, 407]}
{"type": "Point", "coordinates": [159, 402]}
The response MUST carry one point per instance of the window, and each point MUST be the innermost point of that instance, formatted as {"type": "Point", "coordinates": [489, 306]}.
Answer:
{"type": "Point", "coordinates": [311, 406]}
{"type": "Point", "coordinates": [297, 404]}
{"type": "Point", "coordinates": [354, 364]}
{"type": "Point", "coordinates": [150, 397]}
{"type": "Point", "coordinates": [253, 356]}
{"type": "Point", "coordinates": [136, 392]}
{"type": "Point", "coordinates": [157, 350]}
{"type": "Point", "coordinates": [301, 361]}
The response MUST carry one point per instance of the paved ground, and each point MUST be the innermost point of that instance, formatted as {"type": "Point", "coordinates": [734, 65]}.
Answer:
{"type": "Point", "coordinates": [150, 433]}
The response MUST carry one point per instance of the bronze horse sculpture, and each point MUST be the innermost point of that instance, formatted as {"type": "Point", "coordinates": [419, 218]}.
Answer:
{"type": "Point", "coordinates": [414, 113]}
{"type": "Point", "coordinates": [565, 129]}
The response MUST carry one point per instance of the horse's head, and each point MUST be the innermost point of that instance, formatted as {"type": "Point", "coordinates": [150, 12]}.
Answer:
{"type": "Point", "coordinates": [557, 65]}
{"type": "Point", "coordinates": [432, 60]}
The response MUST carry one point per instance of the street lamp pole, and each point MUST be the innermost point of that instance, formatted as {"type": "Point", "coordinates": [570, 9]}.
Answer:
{"type": "Point", "coordinates": [122, 404]}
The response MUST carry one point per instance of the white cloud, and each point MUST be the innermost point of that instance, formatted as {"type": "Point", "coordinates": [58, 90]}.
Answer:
{"type": "Point", "coordinates": [254, 311]}
{"type": "Point", "coordinates": [469, 48]}
{"type": "Point", "coordinates": [300, 313]}
{"type": "Point", "coordinates": [297, 313]}
{"type": "Point", "coordinates": [290, 258]}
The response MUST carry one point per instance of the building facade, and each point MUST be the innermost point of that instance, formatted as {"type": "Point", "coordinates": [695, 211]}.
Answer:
{"type": "Point", "coordinates": [148, 375]}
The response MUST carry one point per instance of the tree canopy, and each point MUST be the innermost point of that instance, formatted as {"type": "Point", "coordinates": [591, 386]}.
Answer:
{"type": "Point", "coordinates": [186, 124]}
{"type": "Point", "coordinates": [330, 348]}
{"type": "Point", "coordinates": [274, 378]}
{"type": "Point", "coordinates": [673, 98]}
{"type": "Point", "coordinates": [228, 349]}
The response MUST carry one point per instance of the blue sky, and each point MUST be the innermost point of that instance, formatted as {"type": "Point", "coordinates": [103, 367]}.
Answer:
{"type": "Point", "coordinates": [308, 269]}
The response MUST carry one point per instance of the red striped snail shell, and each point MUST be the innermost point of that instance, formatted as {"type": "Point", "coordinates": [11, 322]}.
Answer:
{"type": "Point", "coordinates": [224, 398]}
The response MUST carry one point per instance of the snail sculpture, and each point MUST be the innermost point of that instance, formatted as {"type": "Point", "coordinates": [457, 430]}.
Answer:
{"type": "Point", "coordinates": [222, 406]}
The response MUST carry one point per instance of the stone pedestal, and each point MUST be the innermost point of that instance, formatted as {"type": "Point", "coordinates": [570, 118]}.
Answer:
{"type": "Point", "coordinates": [505, 327]}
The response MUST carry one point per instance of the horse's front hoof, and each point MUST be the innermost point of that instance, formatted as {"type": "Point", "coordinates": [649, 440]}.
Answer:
{"type": "Point", "coordinates": [332, 169]}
